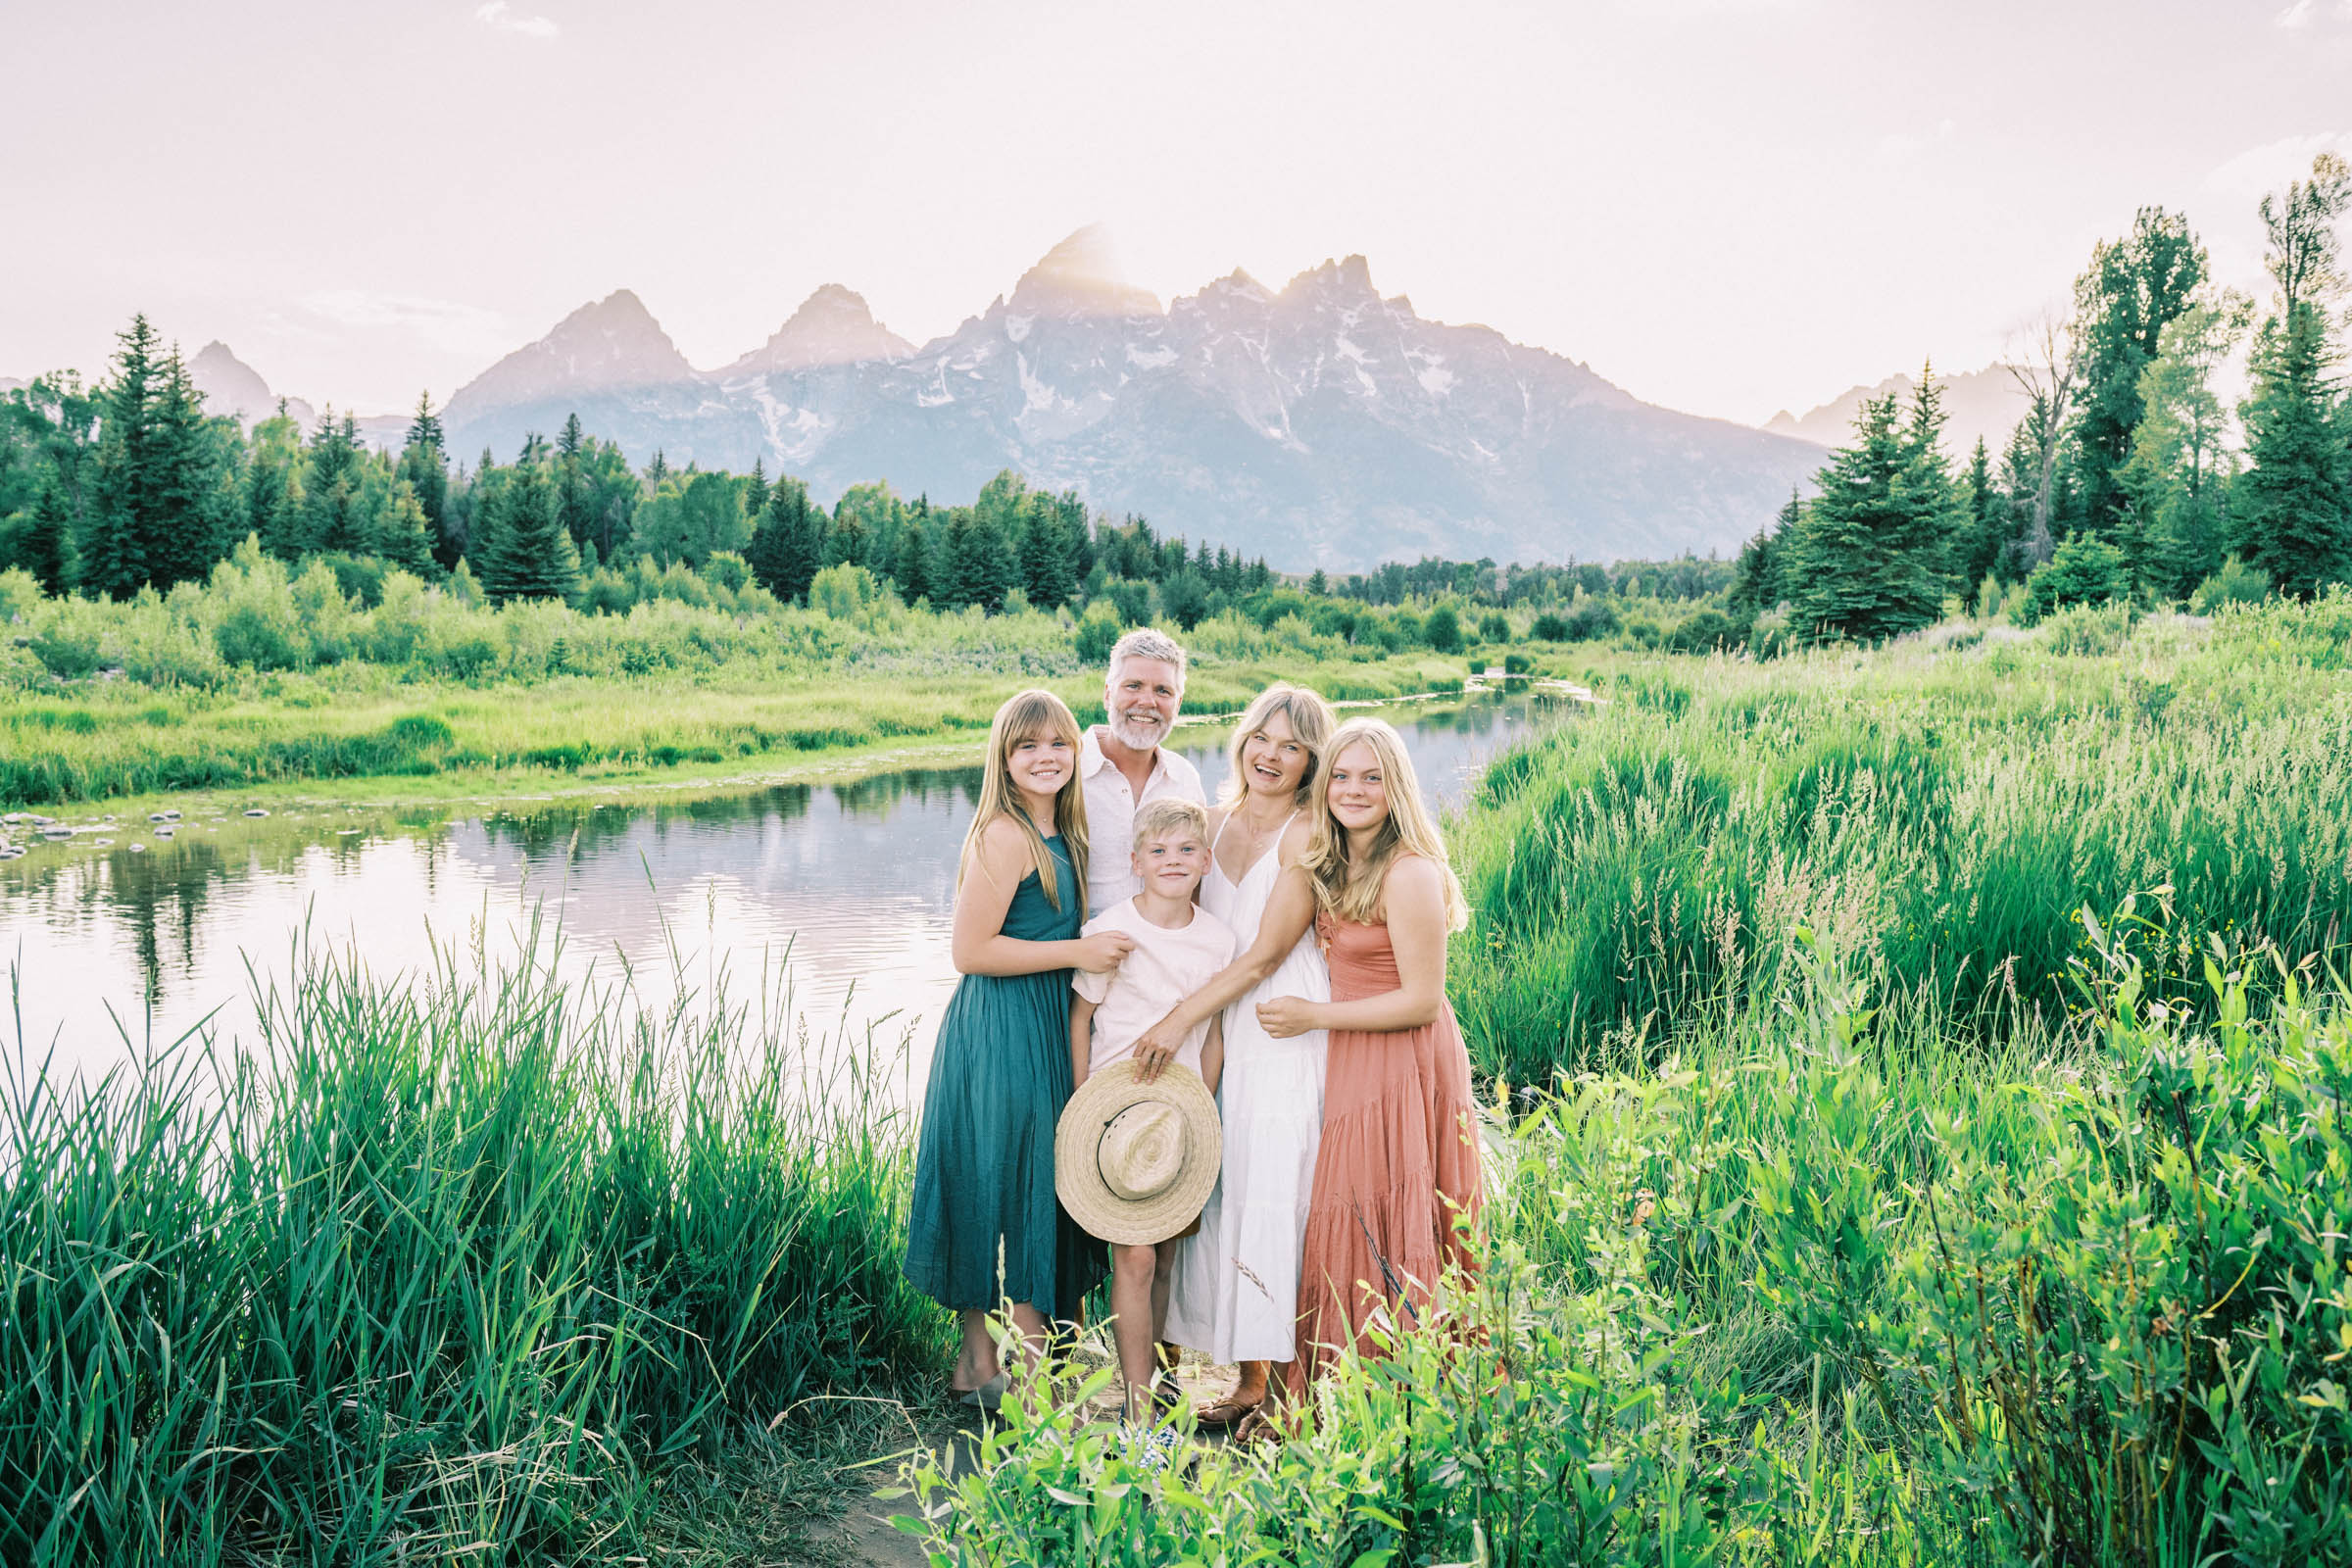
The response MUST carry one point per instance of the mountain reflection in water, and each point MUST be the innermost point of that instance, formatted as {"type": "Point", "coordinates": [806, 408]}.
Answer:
{"type": "Point", "coordinates": [853, 881]}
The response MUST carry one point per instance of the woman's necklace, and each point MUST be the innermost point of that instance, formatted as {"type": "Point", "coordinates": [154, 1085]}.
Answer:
{"type": "Point", "coordinates": [1259, 835]}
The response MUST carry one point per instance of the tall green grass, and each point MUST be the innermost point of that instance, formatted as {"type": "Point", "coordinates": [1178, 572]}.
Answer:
{"type": "Point", "coordinates": [440, 1272]}
{"type": "Point", "coordinates": [1937, 814]}
{"type": "Point", "coordinates": [1822, 1291]}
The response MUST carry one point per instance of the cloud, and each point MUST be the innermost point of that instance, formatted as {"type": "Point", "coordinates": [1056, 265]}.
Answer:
{"type": "Point", "coordinates": [2297, 14]}
{"type": "Point", "coordinates": [444, 323]}
{"type": "Point", "coordinates": [499, 15]}
{"type": "Point", "coordinates": [2272, 164]}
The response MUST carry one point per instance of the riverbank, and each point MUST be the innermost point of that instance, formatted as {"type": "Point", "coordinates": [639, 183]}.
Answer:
{"type": "Point", "coordinates": [359, 737]}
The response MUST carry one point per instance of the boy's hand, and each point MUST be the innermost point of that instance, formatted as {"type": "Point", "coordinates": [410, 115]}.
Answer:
{"type": "Point", "coordinates": [1101, 953]}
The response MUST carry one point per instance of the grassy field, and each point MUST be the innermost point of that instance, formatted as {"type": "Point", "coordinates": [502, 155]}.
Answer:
{"type": "Point", "coordinates": [364, 733]}
{"type": "Point", "coordinates": [1919, 1138]}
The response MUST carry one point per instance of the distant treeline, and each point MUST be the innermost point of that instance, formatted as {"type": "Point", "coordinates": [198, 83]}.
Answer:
{"type": "Point", "coordinates": [104, 491]}
{"type": "Point", "coordinates": [2124, 480]}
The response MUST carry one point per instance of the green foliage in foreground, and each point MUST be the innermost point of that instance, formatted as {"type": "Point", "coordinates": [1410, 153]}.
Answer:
{"type": "Point", "coordinates": [437, 1275]}
{"type": "Point", "coordinates": [1938, 811]}
{"type": "Point", "coordinates": [1820, 1294]}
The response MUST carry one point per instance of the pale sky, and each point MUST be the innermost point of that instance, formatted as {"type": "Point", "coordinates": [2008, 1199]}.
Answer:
{"type": "Point", "coordinates": [1724, 205]}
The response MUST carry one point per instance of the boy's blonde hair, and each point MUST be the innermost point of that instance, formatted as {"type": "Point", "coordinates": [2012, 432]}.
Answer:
{"type": "Point", "coordinates": [1167, 814]}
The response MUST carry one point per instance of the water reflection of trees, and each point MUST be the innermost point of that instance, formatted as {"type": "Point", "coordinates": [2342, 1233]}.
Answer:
{"type": "Point", "coordinates": [167, 898]}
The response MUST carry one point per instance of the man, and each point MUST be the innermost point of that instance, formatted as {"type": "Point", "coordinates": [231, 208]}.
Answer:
{"type": "Point", "coordinates": [1121, 763]}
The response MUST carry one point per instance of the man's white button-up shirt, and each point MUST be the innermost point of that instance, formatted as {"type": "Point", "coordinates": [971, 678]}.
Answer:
{"type": "Point", "coordinates": [1111, 808]}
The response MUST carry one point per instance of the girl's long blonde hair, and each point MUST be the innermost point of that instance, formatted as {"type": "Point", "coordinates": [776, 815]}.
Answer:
{"type": "Point", "coordinates": [1311, 724]}
{"type": "Point", "coordinates": [1351, 890]}
{"type": "Point", "coordinates": [1024, 716]}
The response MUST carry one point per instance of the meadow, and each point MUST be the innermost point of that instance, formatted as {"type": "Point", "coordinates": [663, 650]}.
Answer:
{"type": "Point", "coordinates": [1918, 1086]}
{"type": "Point", "coordinates": [258, 681]}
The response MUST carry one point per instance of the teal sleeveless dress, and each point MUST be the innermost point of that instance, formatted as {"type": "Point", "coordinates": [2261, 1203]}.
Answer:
{"type": "Point", "coordinates": [984, 1160]}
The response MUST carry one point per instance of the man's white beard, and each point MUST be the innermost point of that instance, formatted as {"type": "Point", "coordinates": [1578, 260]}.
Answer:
{"type": "Point", "coordinates": [1137, 735]}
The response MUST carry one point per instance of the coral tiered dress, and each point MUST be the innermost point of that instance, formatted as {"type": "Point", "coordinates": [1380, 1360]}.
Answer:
{"type": "Point", "coordinates": [1236, 1290]}
{"type": "Point", "coordinates": [1399, 1162]}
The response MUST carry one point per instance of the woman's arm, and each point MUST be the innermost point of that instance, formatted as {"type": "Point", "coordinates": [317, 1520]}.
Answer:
{"type": "Point", "coordinates": [1416, 908]}
{"type": "Point", "coordinates": [977, 943]}
{"type": "Point", "coordinates": [1290, 910]}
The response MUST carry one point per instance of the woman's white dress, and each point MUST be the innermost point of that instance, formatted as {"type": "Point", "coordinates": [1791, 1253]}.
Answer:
{"type": "Point", "coordinates": [1235, 1295]}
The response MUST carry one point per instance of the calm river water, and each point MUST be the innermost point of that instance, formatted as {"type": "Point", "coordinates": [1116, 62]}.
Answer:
{"type": "Point", "coordinates": [840, 891]}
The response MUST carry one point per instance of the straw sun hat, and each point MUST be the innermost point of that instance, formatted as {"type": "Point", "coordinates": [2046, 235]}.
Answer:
{"type": "Point", "coordinates": [1134, 1163]}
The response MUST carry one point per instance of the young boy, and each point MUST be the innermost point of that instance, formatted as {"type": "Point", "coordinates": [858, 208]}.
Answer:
{"type": "Point", "coordinates": [1178, 949]}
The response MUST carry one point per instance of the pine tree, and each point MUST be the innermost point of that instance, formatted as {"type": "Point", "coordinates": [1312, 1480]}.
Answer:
{"type": "Point", "coordinates": [985, 564]}
{"type": "Point", "coordinates": [1047, 577]}
{"type": "Point", "coordinates": [1985, 532]}
{"type": "Point", "coordinates": [113, 545]}
{"type": "Point", "coordinates": [906, 567]}
{"type": "Point", "coordinates": [788, 545]}
{"type": "Point", "coordinates": [754, 489]}
{"type": "Point", "coordinates": [45, 539]}
{"type": "Point", "coordinates": [1319, 583]}
{"type": "Point", "coordinates": [571, 485]}
{"type": "Point", "coordinates": [333, 519]}
{"type": "Point", "coordinates": [1756, 584]}
{"type": "Point", "coordinates": [195, 494]}
{"type": "Point", "coordinates": [529, 553]}
{"type": "Point", "coordinates": [405, 536]}
{"type": "Point", "coordinates": [2293, 505]}
{"type": "Point", "coordinates": [1866, 559]}
{"type": "Point", "coordinates": [845, 540]}
{"type": "Point", "coordinates": [424, 466]}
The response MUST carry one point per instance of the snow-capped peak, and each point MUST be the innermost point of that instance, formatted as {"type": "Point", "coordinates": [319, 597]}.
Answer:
{"type": "Point", "coordinates": [1081, 277]}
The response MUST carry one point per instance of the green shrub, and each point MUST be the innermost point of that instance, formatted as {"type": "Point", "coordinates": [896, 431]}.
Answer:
{"type": "Point", "coordinates": [68, 641]}
{"type": "Point", "coordinates": [1495, 627]}
{"type": "Point", "coordinates": [1443, 630]}
{"type": "Point", "coordinates": [1549, 628]}
{"type": "Point", "coordinates": [2085, 570]}
{"type": "Point", "coordinates": [2237, 583]}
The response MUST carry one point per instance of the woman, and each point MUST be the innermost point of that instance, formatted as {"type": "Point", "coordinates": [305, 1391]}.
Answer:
{"type": "Point", "coordinates": [1396, 1180]}
{"type": "Point", "coordinates": [1000, 1072]}
{"type": "Point", "coordinates": [1237, 1282]}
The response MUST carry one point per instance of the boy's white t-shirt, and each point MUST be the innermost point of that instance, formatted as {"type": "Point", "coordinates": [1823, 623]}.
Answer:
{"type": "Point", "coordinates": [1165, 968]}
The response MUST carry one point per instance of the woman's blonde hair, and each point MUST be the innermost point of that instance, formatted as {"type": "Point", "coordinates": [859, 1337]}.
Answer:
{"type": "Point", "coordinates": [1025, 715]}
{"type": "Point", "coordinates": [1351, 890]}
{"type": "Point", "coordinates": [1310, 723]}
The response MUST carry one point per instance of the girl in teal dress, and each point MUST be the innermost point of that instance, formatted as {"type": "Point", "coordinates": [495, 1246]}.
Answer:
{"type": "Point", "coordinates": [1001, 1073]}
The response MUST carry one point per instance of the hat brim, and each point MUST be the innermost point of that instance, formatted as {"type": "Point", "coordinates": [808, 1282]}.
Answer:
{"type": "Point", "coordinates": [1078, 1175]}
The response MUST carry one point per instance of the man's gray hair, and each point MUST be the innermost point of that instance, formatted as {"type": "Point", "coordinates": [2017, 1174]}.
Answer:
{"type": "Point", "coordinates": [1147, 642]}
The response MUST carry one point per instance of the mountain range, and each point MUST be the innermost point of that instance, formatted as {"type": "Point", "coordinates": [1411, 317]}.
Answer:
{"type": "Point", "coordinates": [1320, 424]}
{"type": "Point", "coordinates": [1317, 425]}
{"type": "Point", "coordinates": [1982, 402]}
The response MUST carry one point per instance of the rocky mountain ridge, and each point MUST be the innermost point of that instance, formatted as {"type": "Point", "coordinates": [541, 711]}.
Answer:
{"type": "Point", "coordinates": [1982, 402]}
{"type": "Point", "coordinates": [1320, 424]}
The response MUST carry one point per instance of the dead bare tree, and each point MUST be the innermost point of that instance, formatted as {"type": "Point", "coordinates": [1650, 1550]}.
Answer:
{"type": "Point", "coordinates": [2043, 362]}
